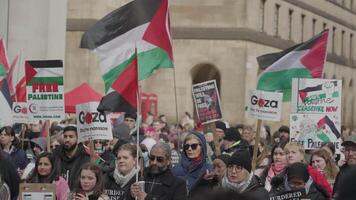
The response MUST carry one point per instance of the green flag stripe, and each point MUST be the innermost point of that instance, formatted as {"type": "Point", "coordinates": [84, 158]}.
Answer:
{"type": "Point", "coordinates": [2, 70]}
{"type": "Point", "coordinates": [281, 80]}
{"type": "Point", "coordinates": [148, 61]}
{"type": "Point", "coordinates": [58, 80]}
{"type": "Point", "coordinates": [151, 60]}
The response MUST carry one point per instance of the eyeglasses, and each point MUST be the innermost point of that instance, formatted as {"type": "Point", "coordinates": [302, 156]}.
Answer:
{"type": "Point", "coordinates": [193, 146]}
{"type": "Point", "coordinates": [158, 158]}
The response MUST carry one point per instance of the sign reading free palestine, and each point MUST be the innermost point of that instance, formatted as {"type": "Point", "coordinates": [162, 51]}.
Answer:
{"type": "Point", "coordinates": [45, 90]}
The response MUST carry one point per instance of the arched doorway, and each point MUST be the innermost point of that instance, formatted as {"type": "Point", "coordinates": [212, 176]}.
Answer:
{"type": "Point", "coordinates": [205, 72]}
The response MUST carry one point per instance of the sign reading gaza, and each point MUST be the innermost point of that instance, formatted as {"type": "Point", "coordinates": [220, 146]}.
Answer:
{"type": "Point", "coordinates": [207, 101]}
{"type": "Point", "coordinates": [265, 105]}
{"type": "Point", "coordinates": [44, 86]}
{"type": "Point", "coordinates": [92, 125]}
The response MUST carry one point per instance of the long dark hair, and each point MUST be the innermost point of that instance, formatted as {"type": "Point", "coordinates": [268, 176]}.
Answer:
{"type": "Point", "coordinates": [99, 186]}
{"type": "Point", "coordinates": [53, 175]}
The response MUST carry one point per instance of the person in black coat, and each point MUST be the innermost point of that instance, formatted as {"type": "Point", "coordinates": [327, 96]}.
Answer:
{"type": "Point", "coordinates": [160, 184]}
{"type": "Point", "coordinates": [9, 175]}
{"type": "Point", "coordinates": [70, 156]}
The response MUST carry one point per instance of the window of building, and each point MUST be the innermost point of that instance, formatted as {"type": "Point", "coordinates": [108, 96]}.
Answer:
{"type": "Point", "coordinates": [342, 43]}
{"type": "Point", "coordinates": [302, 27]}
{"type": "Point", "coordinates": [262, 15]}
{"type": "Point", "coordinates": [351, 46]}
{"type": "Point", "coordinates": [276, 19]}
{"type": "Point", "coordinates": [290, 23]}
{"type": "Point", "coordinates": [314, 25]}
{"type": "Point", "coordinates": [333, 40]}
{"type": "Point", "coordinates": [324, 26]}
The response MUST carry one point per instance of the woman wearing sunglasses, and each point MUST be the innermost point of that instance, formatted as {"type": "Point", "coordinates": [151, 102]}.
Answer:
{"type": "Point", "coordinates": [194, 159]}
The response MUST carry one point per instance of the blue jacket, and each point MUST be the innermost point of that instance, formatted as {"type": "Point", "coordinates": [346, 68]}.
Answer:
{"type": "Point", "coordinates": [184, 169]}
{"type": "Point", "coordinates": [18, 157]}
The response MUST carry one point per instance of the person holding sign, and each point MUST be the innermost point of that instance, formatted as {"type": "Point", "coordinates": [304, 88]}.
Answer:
{"type": "Point", "coordinates": [90, 184]}
{"type": "Point", "coordinates": [47, 172]}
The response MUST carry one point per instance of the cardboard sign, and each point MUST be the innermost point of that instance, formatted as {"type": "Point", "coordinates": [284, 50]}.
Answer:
{"type": "Point", "coordinates": [311, 130]}
{"type": "Point", "coordinates": [37, 191]}
{"type": "Point", "coordinates": [316, 96]}
{"type": "Point", "coordinates": [289, 195]}
{"type": "Point", "coordinates": [44, 86]}
{"type": "Point", "coordinates": [207, 101]}
{"type": "Point", "coordinates": [91, 124]}
{"type": "Point", "coordinates": [265, 105]}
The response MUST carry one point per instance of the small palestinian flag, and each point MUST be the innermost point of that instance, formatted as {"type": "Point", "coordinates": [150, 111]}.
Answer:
{"type": "Point", "coordinates": [326, 121]}
{"type": "Point", "coordinates": [140, 26]}
{"type": "Point", "coordinates": [305, 60]}
{"type": "Point", "coordinates": [4, 62]}
{"type": "Point", "coordinates": [304, 92]}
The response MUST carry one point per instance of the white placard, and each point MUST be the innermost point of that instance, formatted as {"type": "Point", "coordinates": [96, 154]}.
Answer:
{"type": "Point", "coordinates": [19, 112]}
{"type": "Point", "coordinates": [265, 105]}
{"type": "Point", "coordinates": [91, 124]}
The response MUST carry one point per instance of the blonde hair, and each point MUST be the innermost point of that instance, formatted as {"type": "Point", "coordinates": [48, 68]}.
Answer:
{"type": "Point", "coordinates": [296, 146]}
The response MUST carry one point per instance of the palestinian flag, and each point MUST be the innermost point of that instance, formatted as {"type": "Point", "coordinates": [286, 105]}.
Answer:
{"type": "Point", "coordinates": [43, 72]}
{"type": "Point", "coordinates": [304, 92]}
{"type": "Point", "coordinates": [326, 122]}
{"type": "Point", "coordinates": [5, 105]}
{"type": "Point", "coordinates": [4, 62]}
{"type": "Point", "coordinates": [140, 26]}
{"type": "Point", "coordinates": [305, 60]}
{"type": "Point", "coordinates": [17, 81]}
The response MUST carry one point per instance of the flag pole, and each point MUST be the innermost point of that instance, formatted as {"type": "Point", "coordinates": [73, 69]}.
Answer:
{"type": "Point", "coordinates": [138, 113]}
{"type": "Point", "coordinates": [255, 148]}
{"type": "Point", "coordinates": [176, 102]}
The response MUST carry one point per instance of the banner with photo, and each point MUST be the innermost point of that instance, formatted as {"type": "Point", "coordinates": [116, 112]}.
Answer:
{"type": "Point", "coordinates": [265, 105]}
{"type": "Point", "coordinates": [207, 101]}
{"type": "Point", "coordinates": [91, 124]}
{"type": "Point", "coordinates": [311, 130]}
{"type": "Point", "coordinates": [44, 86]}
{"type": "Point", "coordinates": [316, 96]}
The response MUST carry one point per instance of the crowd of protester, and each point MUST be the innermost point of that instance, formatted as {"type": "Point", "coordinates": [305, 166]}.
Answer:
{"type": "Point", "coordinates": [174, 162]}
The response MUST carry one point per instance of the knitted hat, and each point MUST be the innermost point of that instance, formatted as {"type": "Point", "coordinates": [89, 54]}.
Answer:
{"type": "Point", "coordinates": [224, 158]}
{"type": "Point", "coordinates": [231, 134]}
{"type": "Point", "coordinates": [221, 125]}
{"type": "Point", "coordinates": [298, 170]}
{"type": "Point", "coordinates": [241, 158]}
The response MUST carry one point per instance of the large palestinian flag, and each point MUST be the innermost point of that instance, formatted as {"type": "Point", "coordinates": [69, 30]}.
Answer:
{"type": "Point", "coordinates": [305, 60]}
{"type": "Point", "coordinates": [140, 26]}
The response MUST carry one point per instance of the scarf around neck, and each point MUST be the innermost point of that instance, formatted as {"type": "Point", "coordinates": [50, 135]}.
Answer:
{"type": "Point", "coordinates": [238, 187]}
{"type": "Point", "coordinates": [122, 180]}
{"type": "Point", "coordinates": [275, 169]}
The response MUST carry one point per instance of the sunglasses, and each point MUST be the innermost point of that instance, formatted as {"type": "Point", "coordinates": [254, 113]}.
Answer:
{"type": "Point", "coordinates": [158, 158]}
{"type": "Point", "coordinates": [193, 146]}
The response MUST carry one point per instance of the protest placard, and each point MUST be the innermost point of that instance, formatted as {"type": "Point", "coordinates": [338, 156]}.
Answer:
{"type": "Point", "coordinates": [207, 101]}
{"type": "Point", "coordinates": [312, 130]}
{"type": "Point", "coordinates": [91, 124]}
{"type": "Point", "coordinates": [44, 86]}
{"type": "Point", "coordinates": [265, 105]}
{"type": "Point", "coordinates": [19, 112]}
{"type": "Point", "coordinates": [36, 191]}
{"type": "Point", "coordinates": [316, 96]}
{"type": "Point", "coordinates": [289, 195]}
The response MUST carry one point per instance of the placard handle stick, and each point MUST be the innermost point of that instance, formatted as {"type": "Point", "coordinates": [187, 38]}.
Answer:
{"type": "Point", "coordinates": [255, 147]}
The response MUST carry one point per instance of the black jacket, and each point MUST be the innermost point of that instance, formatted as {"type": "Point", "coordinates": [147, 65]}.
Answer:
{"type": "Point", "coordinates": [164, 186]}
{"type": "Point", "coordinates": [114, 190]}
{"type": "Point", "coordinates": [10, 176]}
{"type": "Point", "coordinates": [255, 190]}
{"type": "Point", "coordinates": [71, 166]}
{"type": "Point", "coordinates": [343, 170]}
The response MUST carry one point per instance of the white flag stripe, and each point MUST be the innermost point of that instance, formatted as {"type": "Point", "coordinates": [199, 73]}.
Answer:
{"type": "Point", "coordinates": [289, 61]}
{"type": "Point", "coordinates": [49, 72]}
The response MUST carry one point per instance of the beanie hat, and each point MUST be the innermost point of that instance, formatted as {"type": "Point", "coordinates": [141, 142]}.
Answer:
{"type": "Point", "coordinates": [41, 142]}
{"type": "Point", "coordinates": [224, 158]}
{"type": "Point", "coordinates": [242, 159]}
{"type": "Point", "coordinates": [131, 115]}
{"type": "Point", "coordinates": [283, 129]}
{"type": "Point", "coordinates": [232, 134]}
{"type": "Point", "coordinates": [298, 170]}
{"type": "Point", "coordinates": [221, 125]}
{"type": "Point", "coordinates": [121, 131]}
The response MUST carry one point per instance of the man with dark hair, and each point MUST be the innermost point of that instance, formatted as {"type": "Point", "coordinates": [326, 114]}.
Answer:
{"type": "Point", "coordinates": [130, 120]}
{"type": "Point", "coordinates": [70, 155]}
{"type": "Point", "coordinates": [284, 133]}
{"type": "Point", "coordinates": [159, 181]}
{"type": "Point", "coordinates": [350, 158]}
